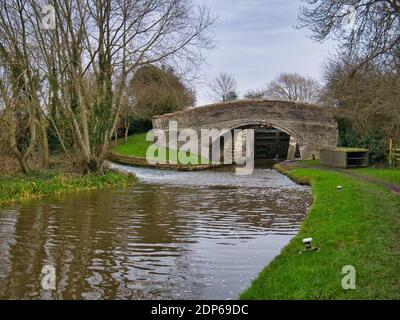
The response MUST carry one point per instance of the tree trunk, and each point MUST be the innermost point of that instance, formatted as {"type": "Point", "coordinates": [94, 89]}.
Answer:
{"type": "Point", "coordinates": [44, 143]}
{"type": "Point", "coordinates": [126, 130]}
{"type": "Point", "coordinates": [24, 165]}
{"type": "Point", "coordinates": [21, 155]}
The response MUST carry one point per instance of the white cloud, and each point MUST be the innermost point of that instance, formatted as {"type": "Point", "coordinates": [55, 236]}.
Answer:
{"type": "Point", "coordinates": [257, 40]}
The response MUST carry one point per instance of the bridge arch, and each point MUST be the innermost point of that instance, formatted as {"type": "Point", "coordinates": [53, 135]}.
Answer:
{"type": "Point", "coordinates": [311, 127]}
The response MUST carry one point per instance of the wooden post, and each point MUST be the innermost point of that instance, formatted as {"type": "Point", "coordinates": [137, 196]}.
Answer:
{"type": "Point", "coordinates": [390, 152]}
{"type": "Point", "coordinates": [396, 156]}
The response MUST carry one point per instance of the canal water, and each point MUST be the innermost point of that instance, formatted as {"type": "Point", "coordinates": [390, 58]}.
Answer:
{"type": "Point", "coordinates": [174, 235]}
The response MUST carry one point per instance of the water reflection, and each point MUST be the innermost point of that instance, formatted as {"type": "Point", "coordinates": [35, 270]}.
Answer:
{"type": "Point", "coordinates": [200, 235]}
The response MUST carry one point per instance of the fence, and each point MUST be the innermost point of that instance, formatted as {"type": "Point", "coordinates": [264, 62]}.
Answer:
{"type": "Point", "coordinates": [394, 154]}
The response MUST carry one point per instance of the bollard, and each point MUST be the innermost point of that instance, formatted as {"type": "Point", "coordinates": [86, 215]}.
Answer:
{"type": "Point", "coordinates": [307, 243]}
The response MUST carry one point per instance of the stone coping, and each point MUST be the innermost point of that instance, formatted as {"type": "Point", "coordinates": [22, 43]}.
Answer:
{"type": "Point", "coordinates": [142, 162]}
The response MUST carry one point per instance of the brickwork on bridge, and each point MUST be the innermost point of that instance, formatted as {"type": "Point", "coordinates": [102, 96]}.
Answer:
{"type": "Point", "coordinates": [311, 127]}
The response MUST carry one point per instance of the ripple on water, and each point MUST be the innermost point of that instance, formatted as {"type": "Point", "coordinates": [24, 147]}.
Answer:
{"type": "Point", "coordinates": [193, 235]}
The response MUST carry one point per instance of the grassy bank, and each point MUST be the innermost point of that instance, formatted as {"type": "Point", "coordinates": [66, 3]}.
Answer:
{"type": "Point", "coordinates": [357, 226]}
{"type": "Point", "coordinates": [137, 146]}
{"type": "Point", "coordinates": [36, 185]}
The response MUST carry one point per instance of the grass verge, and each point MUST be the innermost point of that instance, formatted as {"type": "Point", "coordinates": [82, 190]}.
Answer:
{"type": "Point", "coordinates": [36, 185]}
{"type": "Point", "coordinates": [137, 146]}
{"type": "Point", "coordinates": [390, 174]}
{"type": "Point", "coordinates": [357, 226]}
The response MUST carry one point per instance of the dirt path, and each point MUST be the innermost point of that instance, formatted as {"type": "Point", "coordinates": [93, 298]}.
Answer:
{"type": "Point", "coordinates": [393, 187]}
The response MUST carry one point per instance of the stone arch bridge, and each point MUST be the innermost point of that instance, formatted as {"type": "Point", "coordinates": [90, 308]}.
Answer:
{"type": "Point", "coordinates": [310, 127]}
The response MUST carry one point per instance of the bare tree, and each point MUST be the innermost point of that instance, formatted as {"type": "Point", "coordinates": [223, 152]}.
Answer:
{"type": "Point", "coordinates": [368, 29]}
{"type": "Point", "coordinates": [364, 82]}
{"type": "Point", "coordinates": [368, 102]}
{"type": "Point", "coordinates": [19, 86]}
{"type": "Point", "coordinates": [254, 94]}
{"type": "Point", "coordinates": [76, 74]}
{"type": "Point", "coordinates": [128, 104]}
{"type": "Point", "coordinates": [224, 87]}
{"type": "Point", "coordinates": [293, 87]}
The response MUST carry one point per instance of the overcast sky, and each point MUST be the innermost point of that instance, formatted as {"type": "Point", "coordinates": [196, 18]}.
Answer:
{"type": "Point", "coordinates": [256, 41]}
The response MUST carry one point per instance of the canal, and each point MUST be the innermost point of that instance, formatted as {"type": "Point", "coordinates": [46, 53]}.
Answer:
{"type": "Point", "coordinates": [174, 235]}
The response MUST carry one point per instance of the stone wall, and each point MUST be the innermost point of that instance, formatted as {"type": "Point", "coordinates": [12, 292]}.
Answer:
{"type": "Point", "coordinates": [312, 127]}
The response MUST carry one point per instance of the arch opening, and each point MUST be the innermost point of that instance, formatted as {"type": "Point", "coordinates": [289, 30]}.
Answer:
{"type": "Point", "coordinates": [271, 144]}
